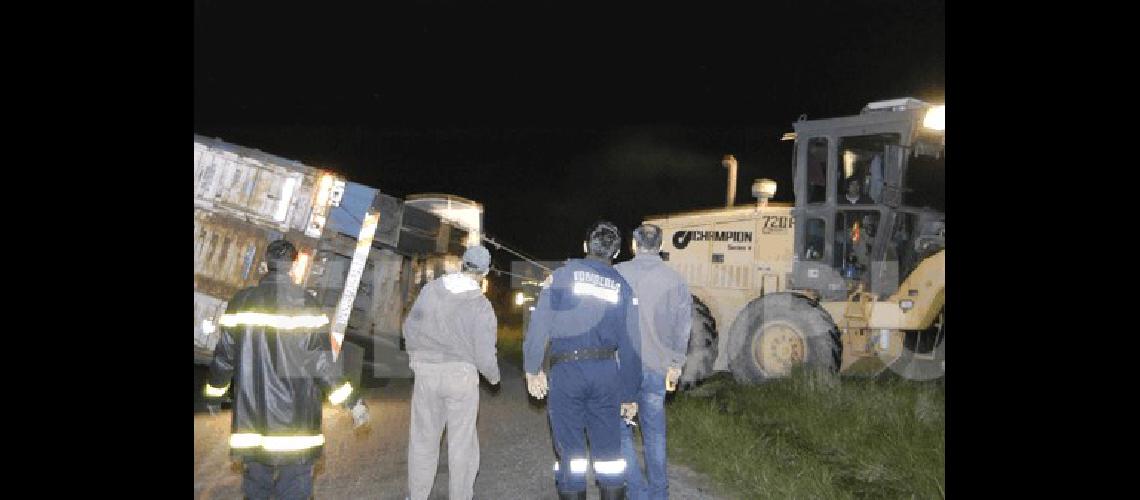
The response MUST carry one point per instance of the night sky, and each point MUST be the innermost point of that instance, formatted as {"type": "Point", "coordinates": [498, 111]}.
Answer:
{"type": "Point", "coordinates": [553, 117]}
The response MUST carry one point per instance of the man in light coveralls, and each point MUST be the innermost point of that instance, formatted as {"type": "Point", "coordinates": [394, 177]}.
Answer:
{"type": "Point", "coordinates": [450, 335]}
{"type": "Point", "coordinates": [665, 310]}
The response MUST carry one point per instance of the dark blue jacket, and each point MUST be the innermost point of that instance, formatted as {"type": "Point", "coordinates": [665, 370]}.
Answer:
{"type": "Point", "coordinates": [587, 305]}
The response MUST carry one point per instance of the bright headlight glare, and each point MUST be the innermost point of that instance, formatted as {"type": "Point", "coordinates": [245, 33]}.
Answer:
{"type": "Point", "coordinates": [935, 118]}
{"type": "Point", "coordinates": [906, 305]}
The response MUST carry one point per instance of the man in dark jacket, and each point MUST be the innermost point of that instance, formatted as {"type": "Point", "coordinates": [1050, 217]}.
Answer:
{"type": "Point", "coordinates": [588, 318]}
{"type": "Point", "coordinates": [275, 346]}
{"type": "Point", "coordinates": [855, 194]}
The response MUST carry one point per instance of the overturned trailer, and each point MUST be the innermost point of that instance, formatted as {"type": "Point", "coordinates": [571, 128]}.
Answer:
{"type": "Point", "coordinates": [243, 199]}
{"type": "Point", "coordinates": [361, 253]}
{"type": "Point", "coordinates": [410, 247]}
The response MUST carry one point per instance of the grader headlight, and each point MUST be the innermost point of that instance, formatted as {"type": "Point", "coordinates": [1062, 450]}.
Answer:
{"type": "Point", "coordinates": [906, 305]}
{"type": "Point", "coordinates": [935, 118]}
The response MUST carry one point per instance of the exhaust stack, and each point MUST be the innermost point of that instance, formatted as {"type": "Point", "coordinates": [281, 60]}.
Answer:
{"type": "Point", "coordinates": [729, 162]}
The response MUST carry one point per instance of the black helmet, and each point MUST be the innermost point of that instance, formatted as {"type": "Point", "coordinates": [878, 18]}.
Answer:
{"type": "Point", "coordinates": [280, 254]}
{"type": "Point", "coordinates": [603, 240]}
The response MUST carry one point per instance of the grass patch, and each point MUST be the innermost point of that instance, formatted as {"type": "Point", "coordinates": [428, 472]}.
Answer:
{"type": "Point", "coordinates": [813, 437]}
{"type": "Point", "coordinates": [510, 344]}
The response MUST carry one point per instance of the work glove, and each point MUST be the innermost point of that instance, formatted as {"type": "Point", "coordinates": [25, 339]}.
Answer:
{"type": "Point", "coordinates": [628, 411]}
{"type": "Point", "coordinates": [359, 415]}
{"type": "Point", "coordinates": [671, 378]}
{"type": "Point", "coordinates": [536, 385]}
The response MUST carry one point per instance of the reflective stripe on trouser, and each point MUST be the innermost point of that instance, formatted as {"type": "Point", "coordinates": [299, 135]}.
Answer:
{"type": "Point", "coordinates": [444, 394]}
{"type": "Point", "coordinates": [584, 401]}
{"type": "Point", "coordinates": [651, 423]}
{"type": "Point", "coordinates": [291, 481]}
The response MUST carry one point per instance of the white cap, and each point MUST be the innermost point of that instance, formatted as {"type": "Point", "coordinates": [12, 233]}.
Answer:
{"type": "Point", "coordinates": [477, 258]}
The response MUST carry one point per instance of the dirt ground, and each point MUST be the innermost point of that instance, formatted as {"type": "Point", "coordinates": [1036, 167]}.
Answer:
{"type": "Point", "coordinates": [515, 448]}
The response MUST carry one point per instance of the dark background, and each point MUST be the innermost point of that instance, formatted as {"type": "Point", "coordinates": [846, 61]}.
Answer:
{"type": "Point", "coordinates": [557, 116]}
{"type": "Point", "coordinates": [498, 104]}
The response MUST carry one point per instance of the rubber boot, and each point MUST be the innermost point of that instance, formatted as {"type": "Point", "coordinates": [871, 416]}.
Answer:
{"type": "Point", "coordinates": [576, 495]}
{"type": "Point", "coordinates": [613, 493]}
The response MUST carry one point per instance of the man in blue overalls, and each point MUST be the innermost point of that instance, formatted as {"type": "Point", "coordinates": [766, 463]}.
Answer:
{"type": "Point", "coordinates": [588, 315]}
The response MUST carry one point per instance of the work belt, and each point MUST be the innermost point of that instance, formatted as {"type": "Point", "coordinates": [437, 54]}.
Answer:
{"type": "Point", "coordinates": [582, 354]}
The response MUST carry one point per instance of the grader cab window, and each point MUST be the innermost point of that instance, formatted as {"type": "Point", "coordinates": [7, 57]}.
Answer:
{"type": "Point", "coordinates": [856, 231]}
{"type": "Point", "coordinates": [817, 169]}
{"type": "Point", "coordinates": [861, 168]}
{"type": "Point", "coordinates": [925, 183]}
{"type": "Point", "coordinates": [814, 239]}
{"type": "Point", "coordinates": [900, 249]}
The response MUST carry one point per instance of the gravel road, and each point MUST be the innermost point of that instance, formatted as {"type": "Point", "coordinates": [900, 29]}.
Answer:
{"type": "Point", "coordinates": [514, 437]}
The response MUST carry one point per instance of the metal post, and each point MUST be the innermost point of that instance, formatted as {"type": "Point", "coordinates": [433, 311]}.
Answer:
{"type": "Point", "coordinates": [352, 281]}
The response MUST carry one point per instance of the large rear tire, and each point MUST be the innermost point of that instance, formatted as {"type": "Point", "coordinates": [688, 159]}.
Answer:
{"type": "Point", "coordinates": [778, 332]}
{"type": "Point", "coordinates": [702, 347]}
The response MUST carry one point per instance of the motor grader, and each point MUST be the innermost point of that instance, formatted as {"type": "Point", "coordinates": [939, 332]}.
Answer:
{"type": "Point", "coordinates": [849, 278]}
